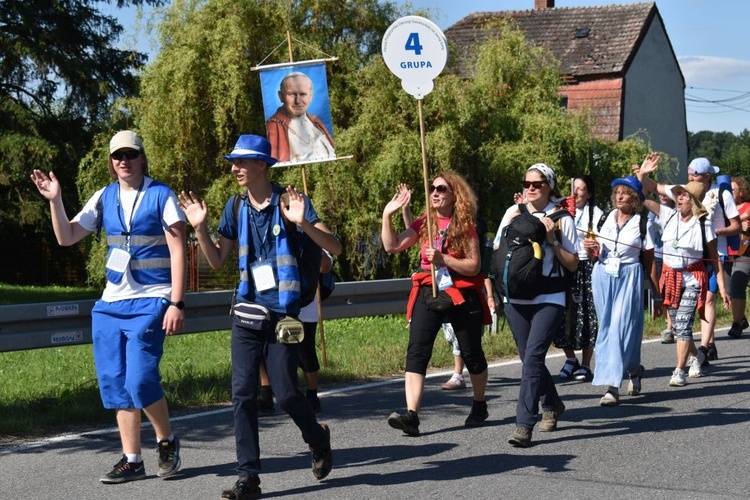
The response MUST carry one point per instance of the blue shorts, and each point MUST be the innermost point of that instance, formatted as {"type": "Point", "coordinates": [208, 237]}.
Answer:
{"type": "Point", "coordinates": [713, 284]}
{"type": "Point", "coordinates": [128, 345]}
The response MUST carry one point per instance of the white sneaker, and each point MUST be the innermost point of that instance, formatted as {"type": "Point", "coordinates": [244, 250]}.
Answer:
{"type": "Point", "coordinates": [678, 378]}
{"type": "Point", "coordinates": [695, 370]}
{"type": "Point", "coordinates": [610, 398]}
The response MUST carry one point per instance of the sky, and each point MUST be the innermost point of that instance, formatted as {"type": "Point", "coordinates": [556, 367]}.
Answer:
{"type": "Point", "coordinates": [706, 35]}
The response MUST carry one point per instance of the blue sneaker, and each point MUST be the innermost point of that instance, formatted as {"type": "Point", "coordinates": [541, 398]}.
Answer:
{"type": "Point", "coordinates": [169, 457]}
{"type": "Point", "coordinates": [124, 471]}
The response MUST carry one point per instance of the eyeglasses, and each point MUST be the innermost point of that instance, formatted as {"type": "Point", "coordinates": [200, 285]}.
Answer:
{"type": "Point", "coordinates": [535, 184]}
{"type": "Point", "coordinates": [130, 154]}
{"type": "Point", "coordinates": [441, 188]}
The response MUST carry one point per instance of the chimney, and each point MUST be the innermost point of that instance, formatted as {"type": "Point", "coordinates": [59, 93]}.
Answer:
{"type": "Point", "coordinates": [544, 4]}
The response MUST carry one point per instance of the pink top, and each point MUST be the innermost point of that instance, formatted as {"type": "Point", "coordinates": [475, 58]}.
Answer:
{"type": "Point", "coordinates": [443, 223]}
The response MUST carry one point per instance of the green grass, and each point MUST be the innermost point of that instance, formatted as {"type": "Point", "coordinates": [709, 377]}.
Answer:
{"type": "Point", "coordinates": [17, 294]}
{"type": "Point", "coordinates": [54, 389]}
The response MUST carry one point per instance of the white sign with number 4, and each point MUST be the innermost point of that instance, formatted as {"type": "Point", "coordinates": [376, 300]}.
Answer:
{"type": "Point", "coordinates": [415, 50]}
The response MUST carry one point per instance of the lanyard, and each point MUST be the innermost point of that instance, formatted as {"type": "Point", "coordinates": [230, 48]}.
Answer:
{"type": "Point", "coordinates": [618, 228]}
{"type": "Point", "coordinates": [440, 237]}
{"type": "Point", "coordinates": [120, 211]}
{"type": "Point", "coordinates": [257, 231]}
{"type": "Point", "coordinates": [676, 242]}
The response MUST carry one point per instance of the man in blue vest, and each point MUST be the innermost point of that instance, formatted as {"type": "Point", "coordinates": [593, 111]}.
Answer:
{"type": "Point", "coordinates": [142, 301]}
{"type": "Point", "coordinates": [270, 258]}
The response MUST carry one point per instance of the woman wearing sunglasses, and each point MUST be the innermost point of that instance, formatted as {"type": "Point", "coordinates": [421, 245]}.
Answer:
{"type": "Point", "coordinates": [143, 298]}
{"type": "Point", "coordinates": [454, 252]}
{"type": "Point", "coordinates": [535, 322]}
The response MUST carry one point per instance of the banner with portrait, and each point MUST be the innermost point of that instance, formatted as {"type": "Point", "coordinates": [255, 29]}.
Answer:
{"type": "Point", "coordinates": [297, 112]}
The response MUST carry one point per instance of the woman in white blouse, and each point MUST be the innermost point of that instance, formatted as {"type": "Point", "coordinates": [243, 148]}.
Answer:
{"type": "Point", "coordinates": [617, 283]}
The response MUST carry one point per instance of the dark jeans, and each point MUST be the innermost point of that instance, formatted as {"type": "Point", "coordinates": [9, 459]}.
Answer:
{"type": "Point", "coordinates": [308, 357]}
{"type": "Point", "coordinates": [534, 327]}
{"type": "Point", "coordinates": [249, 348]}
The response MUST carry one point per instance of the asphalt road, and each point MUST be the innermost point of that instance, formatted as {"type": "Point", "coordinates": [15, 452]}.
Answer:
{"type": "Point", "coordinates": [669, 443]}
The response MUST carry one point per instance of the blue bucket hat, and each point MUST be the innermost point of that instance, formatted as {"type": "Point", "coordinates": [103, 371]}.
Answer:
{"type": "Point", "coordinates": [253, 147]}
{"type": "Point", "coordinates": [632, 183]}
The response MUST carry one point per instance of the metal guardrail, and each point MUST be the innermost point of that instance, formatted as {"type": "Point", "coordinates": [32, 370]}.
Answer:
{"type": "Point", "coordinates": [55, 324]}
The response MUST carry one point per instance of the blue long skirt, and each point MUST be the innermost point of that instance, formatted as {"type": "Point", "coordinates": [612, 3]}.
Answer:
{"type": "Point", "coordinates": [619, 309]}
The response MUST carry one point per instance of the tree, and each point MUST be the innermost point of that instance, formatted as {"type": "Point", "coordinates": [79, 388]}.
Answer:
{"type": "Point", "coordinates": [59, 75]}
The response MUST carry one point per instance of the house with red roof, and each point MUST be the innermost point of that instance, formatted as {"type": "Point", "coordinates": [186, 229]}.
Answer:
{"type": "Point", "coordinates": [617, 61]}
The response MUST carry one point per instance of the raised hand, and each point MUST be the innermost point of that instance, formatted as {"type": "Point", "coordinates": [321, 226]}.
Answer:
{"type": "Point", "coordinates": [195, 210]}
{"type": "Point", "coordinates": [518, 198]}
{"type": "Point", "coordinates": [293, 205]}
{"type": "Point", "coordinates": [650, 164]}
{"type": "Point", "coordinates": [400, 199]}
{"type": "Point", "coordinates": [48, 185]}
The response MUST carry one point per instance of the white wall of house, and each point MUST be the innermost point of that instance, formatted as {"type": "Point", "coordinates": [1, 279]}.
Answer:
{"type": "Point", "coordinates": [654, 97]}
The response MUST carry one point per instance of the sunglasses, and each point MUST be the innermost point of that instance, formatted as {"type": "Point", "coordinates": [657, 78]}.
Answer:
{"type": "Point", "coordinates": [442, 188]}
{"type": "Point", "coordinates": [130, 154]}
{"type": "Point", "coordinates": [535, 184]}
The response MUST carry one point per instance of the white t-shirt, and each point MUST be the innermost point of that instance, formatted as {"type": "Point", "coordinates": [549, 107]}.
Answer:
{"type": "Point", "coordinates": [582, 226]}
{"type": "Point", "coordinates": [711, 203]}
{"type": "Point", "coordinates": [569, 243]}
{"type": "Point", "coordinates": [682, 241]}
{"type": "Point", "coordinates": [625, 243]}
{"type": "Point", "coordinates": [128, 288]}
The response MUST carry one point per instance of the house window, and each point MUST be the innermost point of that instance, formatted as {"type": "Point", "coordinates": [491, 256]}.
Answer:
{"type": "Point", "coordinates": [564, 101]}
{"type": "Point", "coordinates": [582, 32]}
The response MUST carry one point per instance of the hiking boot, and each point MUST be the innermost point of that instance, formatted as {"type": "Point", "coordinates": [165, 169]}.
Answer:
{"type": "Point", "coordinates": [124, 471]}
{"type": "Point", "coordinates": [246, 488]}
{"type": "Point", "coordinates": [169, 457]}
{"type": "Point", "coordinates": [713, 354]}
{"type": "Point", "coordinates": [678, 378]}
{"type": "Point", "coordinates": [549, 418]}
{"type": "Point", "coordinates": [478, 414]}
{"type": "Point", "coordinates": [322, 456]}
{"type": "Point", "coordinates": [569, 368]}
{"type": "Point", "coordinates": [736, 330]}
{"type": "Point", "coordinates": [408, 422]}
{"type": "Point", "coordinates": [702, 355]}
{"type": "Point", "coordinates": [521, 437]}
{"type": "Point", "coordinates": [456, 382]}
{"type": "Point", "coordinates": [634, 384]}
{"type": "Point", "coordinates": [312, 397]}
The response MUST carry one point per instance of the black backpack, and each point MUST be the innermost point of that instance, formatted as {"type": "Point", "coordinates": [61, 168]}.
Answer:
{"type": "Point", "coordinates": [518, 273]}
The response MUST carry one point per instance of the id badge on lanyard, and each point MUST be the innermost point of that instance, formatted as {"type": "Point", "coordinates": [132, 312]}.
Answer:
{"type": "Point", "coordinates": [118, 260]}
{"type": "Point", "coordinates": [443, 278]}
{"type": "Point", "coordinates": [263, 276]}
{"type": "Point", "coordinates": [612, 266]}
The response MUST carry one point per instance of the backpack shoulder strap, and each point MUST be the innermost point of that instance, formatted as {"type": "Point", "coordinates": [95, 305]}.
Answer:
{"type": "Point", "coordinates": [643, 224]}
{"type": "Point", "coordinates": [702, 224]}
{"type": "Point", "coordinates": [602, 220]}
{"type": "Point", "coordinates": [721, 204]}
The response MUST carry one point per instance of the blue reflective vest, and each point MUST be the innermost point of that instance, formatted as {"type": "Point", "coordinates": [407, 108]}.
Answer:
{"type": "Point", "coordinates": [150, 261]}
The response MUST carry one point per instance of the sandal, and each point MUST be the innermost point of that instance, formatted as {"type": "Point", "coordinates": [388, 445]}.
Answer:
{"type": "Point", "coordinates": [568, 368]}
{"type": "Point", "coordinates": [584, 373]}
{"type": "Point", "coordinates": [609, 399]}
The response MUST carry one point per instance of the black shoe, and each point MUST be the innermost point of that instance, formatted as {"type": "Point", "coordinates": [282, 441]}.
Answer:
{"type": "Point", "coordinates": [169, 457]}
{"type": "Point", "coordinates": [478, 414]}
{"type": "Point", "coordinates": [124, 471]}
{"type": "Point", "coordinates": [736, 329]}
{"type": "Point", "coordinates": [246, 488]}
{"type": "Point", "coordinates": [713, 354]}
{"type": "Point", "coordinates": [322, 456]}
{"type": "Point", "coordinates": [265, 406]}
{"type": "Point", "coordinates": [408, 422]}
{"type": "Point", "coordinates": [312, 397]}
{"type": "Point", "coordinates": [703, 355]}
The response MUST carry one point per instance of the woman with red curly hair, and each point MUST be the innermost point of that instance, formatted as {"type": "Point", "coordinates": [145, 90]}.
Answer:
{"type": "Point", "coordinates": [454, 252]}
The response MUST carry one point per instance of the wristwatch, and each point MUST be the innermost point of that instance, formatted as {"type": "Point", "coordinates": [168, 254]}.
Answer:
{"type": "Point", "coordinates": [179, 304]}
{"type": "Point", "coordinates": [555, 243]}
